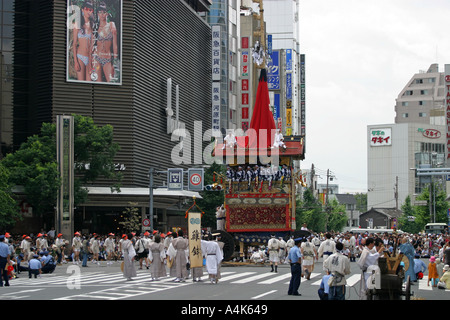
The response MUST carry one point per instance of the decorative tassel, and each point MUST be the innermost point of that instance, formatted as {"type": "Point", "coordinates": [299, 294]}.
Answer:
{"type": "Point", "coordinates": [214, 177]}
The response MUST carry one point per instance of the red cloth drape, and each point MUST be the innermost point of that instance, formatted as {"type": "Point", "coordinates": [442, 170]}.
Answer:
{"type": "Point", "coordinates": [262, 117]}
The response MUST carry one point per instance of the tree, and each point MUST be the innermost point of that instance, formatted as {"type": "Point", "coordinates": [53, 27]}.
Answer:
{"type": "Point", "coordinates": [404, 222]}
{"type": "Point", "coordinates": [34, 165]}
{"type": "Point", "coordinates": [337, 217]}
{"type": "Point", "coordinates": [211, 199]}
{"type": "Point", "coordinates": [9, 211]}
{"type": "Point", "coordinates": [309, 211]}
{"type": "Point", "coordinates": [131, 218]}
{"type": "Point", "coordinates": [423, 214]}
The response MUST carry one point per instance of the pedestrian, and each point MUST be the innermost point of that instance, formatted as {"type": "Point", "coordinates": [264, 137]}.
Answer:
{"type": "Point", "coordinates": [129, 253]}
{"type": "Point", "coordinates": [34, 267]}
{"type": "Point", "coordinates": [85, 249]}
{"type": "Point", "coordinates": [94, 244]}
{"type": "Point", "coordinates": [214, 257]}
{"type": "Point", "coordinates": [445, 277]}
{"type": "Point", "coordinates": [273, 245]}
{"type": "Point", "coordinates": [324, 288]}
{"type": "Point", "coordinates": [60, 246]}
{"type": "Point", "coordinates": [433, 275]}
{"type": "Point", "coordinates": [110, 246]}
{"type": "Point", "coordinates": [368, 262]}
{"type": "Point", "coordinates": [339, 266]}
{"type": "Point", "coordinates": [142, 251]}
{"type": "Point", "coordinates": [309, 254]}
{"type": "Point", "coordinates": [76, 248]}
{"type": "Point", "coordinates": [295, 259]}
{"type": "Point", "coordinates": [180, 244]}
{"type": "Point", "coordinates": [419, 267]}
{"type": "Point", "coordinates": [408, 250]}
{"type": "Point", "coordinates": [48, 263]}
{"type": "Point", "coordinates": [327, 248]}
{"type": "Point", "coordinates": [352, 247]}
{"type": "Point", "coordinates": [446, 253]}
{"type": "Point", "coordinates": [156, 256]}
{"type": "Point", "coordinates": [282, 250]}
{"type": "Point", "coordinates": [4, 261]}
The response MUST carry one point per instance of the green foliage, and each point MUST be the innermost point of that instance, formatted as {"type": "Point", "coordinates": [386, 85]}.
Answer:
{"type": "Point", "coordinates": [318, 218]}
{"type": "Point", "coordinates": [211, 199]}
{"type": "Point", "coordinates": [34, 165]}
{"type": "Point", "coordinates": [422, 213]}
{"type": "Point", "coordinates": [131, 218]}
{"type": "Point", "coordinates": [337, 217]}
{"type": "Point", "coordinates": [309, 211]}
{"type": "Point", "coordinates": [9, 211]}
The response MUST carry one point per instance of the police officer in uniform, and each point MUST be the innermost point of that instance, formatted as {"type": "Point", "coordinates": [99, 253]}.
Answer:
{"type": "Point", "coordinates": [4, 260]}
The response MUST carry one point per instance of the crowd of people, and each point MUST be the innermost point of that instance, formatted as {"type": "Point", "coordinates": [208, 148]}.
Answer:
{"type": "Point", "coordinates": [339, 249]}
{"type": "Point", "coordinates": [42, 253]}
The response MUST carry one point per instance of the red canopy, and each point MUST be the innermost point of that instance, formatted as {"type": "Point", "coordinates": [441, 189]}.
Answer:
{"type": "Point", "coordinates": [262, 119]}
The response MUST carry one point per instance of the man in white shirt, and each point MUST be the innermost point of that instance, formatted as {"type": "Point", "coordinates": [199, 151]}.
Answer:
{"type": "Point", "coordinates": [339, 266]}
{"type": "Point", "coordinates": [327, 248]}
{"type": "Point", "coordinates": [273, 246]}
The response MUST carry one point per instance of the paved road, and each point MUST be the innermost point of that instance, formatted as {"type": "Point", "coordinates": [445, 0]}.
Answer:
{"type": "Point", "coordinates": [239, 282]}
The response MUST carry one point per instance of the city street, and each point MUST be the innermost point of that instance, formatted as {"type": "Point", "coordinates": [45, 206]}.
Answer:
{"type": "Point", "coordinates": [240, 282]}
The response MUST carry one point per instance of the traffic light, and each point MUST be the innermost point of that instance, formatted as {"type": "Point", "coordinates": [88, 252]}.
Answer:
{"type": "Point", "coordinates": [213, 187]}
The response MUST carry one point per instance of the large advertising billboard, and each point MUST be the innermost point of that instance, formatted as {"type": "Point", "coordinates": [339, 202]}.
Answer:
{"type": "Point", "coordinates": [94, 41]}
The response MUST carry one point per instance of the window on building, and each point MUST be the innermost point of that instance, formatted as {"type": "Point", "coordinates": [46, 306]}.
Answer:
{"type": "Point", "coordinates": [404, 115]}
{"type": "Point", "coordinates": [419, 80]}
{"type": "Point", "coordinates": [422, 114]}
{"type": "Point", "coordinates": [422, 103]}
{"type": "Point", "coordinates": [405, 104]}
{"type": "Point", "coordinates": [408, 93]}
{"type": "Point", "coordinates": [423, 92]}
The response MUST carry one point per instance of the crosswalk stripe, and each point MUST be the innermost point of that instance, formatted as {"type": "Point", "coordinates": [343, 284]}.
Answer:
{"type": "Point", "coordinates": [234, 276]}
{"type": "Point", "coordinates": [276, 279]}
{"type": "Point", "coordinates": [256, 277]}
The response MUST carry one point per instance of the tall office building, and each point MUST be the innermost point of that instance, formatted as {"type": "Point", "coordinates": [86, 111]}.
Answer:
{"type": "Point", "coordinates": [422, 99]}
{"type": "Point", "coordinates": [138, 46]}
{"type": "Point", "coordinates": [225, 15]}
{"type": "Point", "coordinates": [282, 24]}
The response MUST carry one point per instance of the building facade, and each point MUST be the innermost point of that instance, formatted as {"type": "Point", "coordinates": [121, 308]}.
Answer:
{"type": "Point", "coordinates": [422, 99]}
{"type": "Point", "coordinates": [153, 44]}
{"type": "Point", "coordinates": [394, 151]}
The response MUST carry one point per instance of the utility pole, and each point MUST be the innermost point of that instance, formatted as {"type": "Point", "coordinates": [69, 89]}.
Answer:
{"type": "Point", "coordinates": [396, 192]}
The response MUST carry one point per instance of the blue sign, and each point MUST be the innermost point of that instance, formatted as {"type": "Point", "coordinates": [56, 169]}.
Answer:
{"type": "Point", "coordinates": [289, 86]}
{"type": "Point", "coordinates": [273, 72]}
{"type": "Point", "coordinates": [269, 44]}
{"type": "Point", "coordinates": [289, 60]}
{"type": "Point", "coordinates": [175, 179]}
{"type": "Point", "coordinates": [276, 107]}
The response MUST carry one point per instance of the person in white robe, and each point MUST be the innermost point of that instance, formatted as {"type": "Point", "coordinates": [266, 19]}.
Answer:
{"type": "Point", "coordinates": [180, 244]}
{"type": "Point", "coordinates": [279, 140]}
{"type": "Point", "coordinates": [220, 217]}
{"type": "Point", "coordinates": [214, 257]}
{"type": "Point", "coordinates": [273, 245]}
{"type": "Point", "coordinates": [327, 248]}
{"type": "Point", "coordinates": [156, 256]}
{"type": "Point", "coordinates": [229, 140]}
{"type": "Point", "coordinates": [368, 262]}
{"type": "Point", "coordinates": [128, 253]}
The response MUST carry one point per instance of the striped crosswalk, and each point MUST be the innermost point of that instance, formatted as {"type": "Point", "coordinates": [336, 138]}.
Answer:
{"type": "Point", "coordinates": [113, 286]}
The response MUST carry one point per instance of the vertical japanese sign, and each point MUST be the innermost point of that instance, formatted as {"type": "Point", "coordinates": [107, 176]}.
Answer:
{"type": "Point", "coordinates": [273, 72]}
{"type": "Point", "coordinates": [447, 112]}
{"type": "Point", "coordinates": [195, 247]}
{"type": "Point", "coordinates": [302, 96]}
{"type": "Point", "coordinates": [288, 60]}
{"type": "Point", "coordinates": [215, 109]}
{"type": "Point", "coordinates": [215, 45]}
